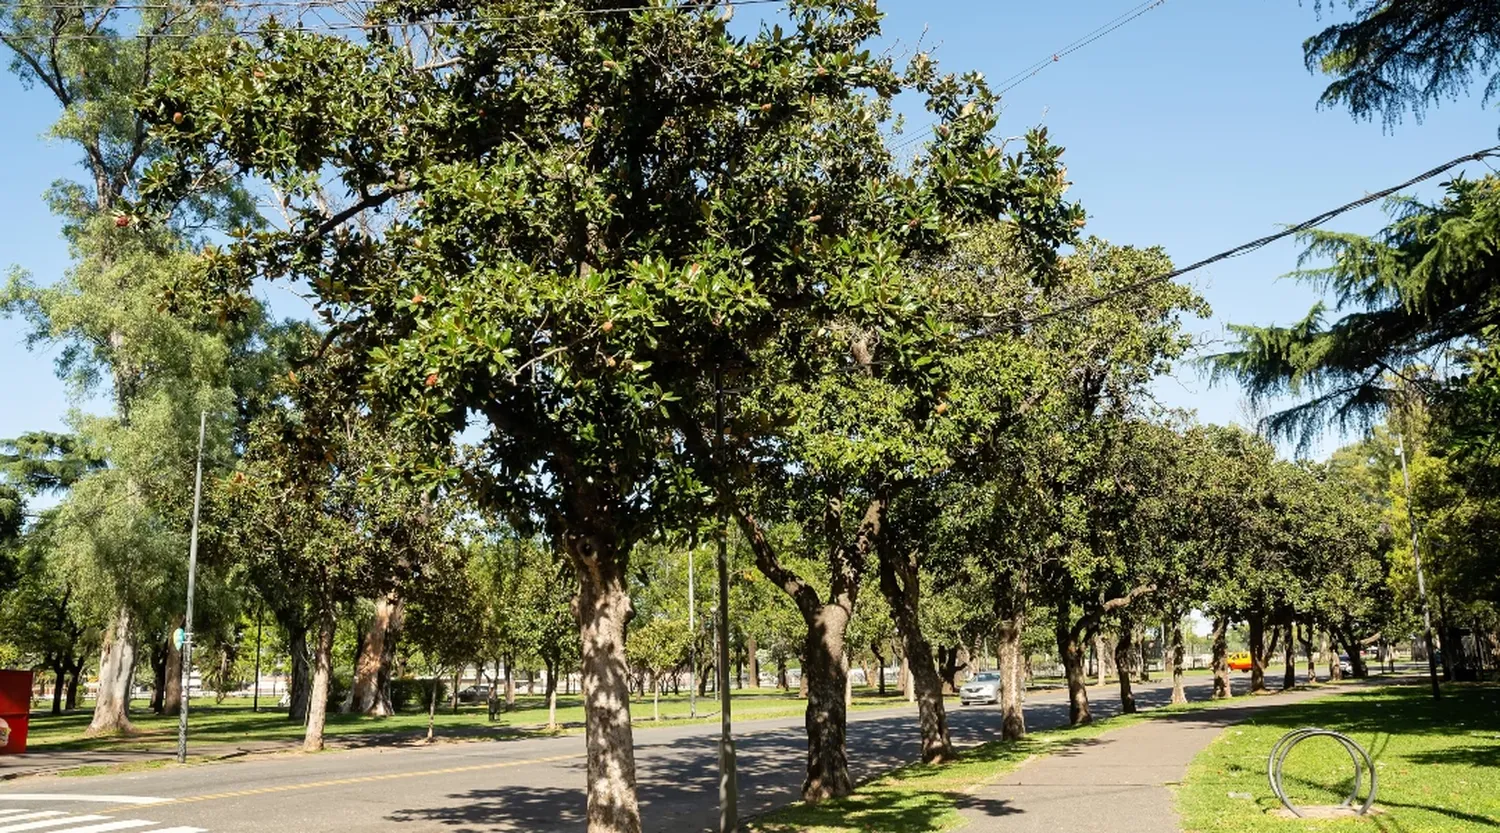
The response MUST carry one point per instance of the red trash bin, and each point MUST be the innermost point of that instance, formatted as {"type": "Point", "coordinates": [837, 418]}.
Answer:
{"type": "Point", "coordinates": [15, 711]}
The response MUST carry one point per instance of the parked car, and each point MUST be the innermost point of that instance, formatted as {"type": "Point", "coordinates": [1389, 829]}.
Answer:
{"type": "Point", "coordinates": [983, 687]}
{"type": "Point", "coordinates": [474, 694]}
{"type": "Point", "coordinates": [1239, 661]}
{"type": "Point", "coordinates": [1344, 666]}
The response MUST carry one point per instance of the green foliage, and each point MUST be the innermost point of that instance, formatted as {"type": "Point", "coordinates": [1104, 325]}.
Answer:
{"type": "Point", "coordinates": [1399, 55]}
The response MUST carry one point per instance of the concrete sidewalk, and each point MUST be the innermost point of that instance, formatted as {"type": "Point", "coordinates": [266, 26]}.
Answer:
{"type": "Point", "coordinates": [1116, 783]}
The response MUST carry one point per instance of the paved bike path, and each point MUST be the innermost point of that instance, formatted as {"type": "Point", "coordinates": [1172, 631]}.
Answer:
{"type": "Point", "coordinates": [1116, 783]}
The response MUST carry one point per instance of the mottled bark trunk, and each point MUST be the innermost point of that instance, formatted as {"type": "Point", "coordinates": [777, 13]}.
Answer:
{"type": "Point", "coordinates": [1257, 652]}
{"type": "Point", "coordinates": [75, 678]}
{"type": "Point", "coordinates": [1070, 650]}
{"type": "Point", "coordinates": [1099, 655]}
{"type": "Point", "coordinates": [510, 683]}
{"type": "Point", "coordinates": [116, 667]}
{"type": "Point", "coordinates": [900, 583]}
{"type": "Point", "coordinates": [1356, 656]}
{"type": "Point", "coordinates": [827, 760]}
{"type": "Point", "coordinates": [603, 609]}
{"type": "Point", "coordinates": [1174, 651]}
{"type": "Point", "coordinates": [1012, 677]}
{"type": "Point", "coordinates": [552, 695]}
{"type": "Point", "coordinates": [371, 692]}
{"type": "Point", "coordinates": [1124, 645]}
{"type": "Point", "coordinates": [322, 680]}
{"type": "Point", "coordinates": [753, 661]}
{"type": "Point", "coordinates": [432, 707]}
{"type": "Point", "coordinates": [1143, 669]}
{"type": "Point", "coordinates": [1335, 672]}
{"type": "Point", "coordinates": [1223, 689]}
{"type": "Point", "coordinates": [879, 669]}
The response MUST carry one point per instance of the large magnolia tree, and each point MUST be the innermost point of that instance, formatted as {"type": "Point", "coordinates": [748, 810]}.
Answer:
{"type": "Point", "coordinates": [560, 221]}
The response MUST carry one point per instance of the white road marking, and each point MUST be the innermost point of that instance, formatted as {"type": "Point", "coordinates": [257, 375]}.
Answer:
{"type": "Point", "coordinates": [101, 799]}
{"type": "Point", "coordinates": [179, 830]}
{"type": "Point", "coordinates": [35, 815]}
{"type": "Point", "coordinates": [109, 825]}
{"type": "Point", "coordinates": [10, 811]}
{"type": "Point", "coordinates": [38, 825]}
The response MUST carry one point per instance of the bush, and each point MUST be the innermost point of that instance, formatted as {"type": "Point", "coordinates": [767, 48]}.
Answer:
{"type": "Point", "coordinates": [413, 695]}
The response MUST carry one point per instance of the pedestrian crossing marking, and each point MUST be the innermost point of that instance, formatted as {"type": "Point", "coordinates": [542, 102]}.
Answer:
{"type": "Point", "coordinates": [57, 821]}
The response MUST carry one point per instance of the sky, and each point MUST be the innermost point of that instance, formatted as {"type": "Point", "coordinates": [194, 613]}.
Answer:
{"type": "Point", "coordinates": [1194, 127]}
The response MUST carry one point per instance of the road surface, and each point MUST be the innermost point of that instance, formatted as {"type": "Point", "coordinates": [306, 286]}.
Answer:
{"type": "Point", "coordinates": [494, 785]}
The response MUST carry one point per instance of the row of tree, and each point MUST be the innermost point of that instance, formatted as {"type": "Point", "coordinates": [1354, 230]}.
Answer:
{"type": "Point", "coordinates": [592, 286]}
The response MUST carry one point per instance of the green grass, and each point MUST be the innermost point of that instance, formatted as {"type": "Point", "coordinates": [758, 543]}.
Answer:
{"type": "Point", "coordinates": [233, 721]}
{"type": "Point", "coordinates": [922, 798]}
{"type": "Point", "coordinates": [1438, 763]}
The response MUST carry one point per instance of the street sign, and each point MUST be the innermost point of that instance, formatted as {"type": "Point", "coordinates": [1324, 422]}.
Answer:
{"type": "Point", "coordinates": [177, 637]}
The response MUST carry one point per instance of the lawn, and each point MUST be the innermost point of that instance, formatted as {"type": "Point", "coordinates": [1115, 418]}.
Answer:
{"type": "Point", "coordinates": [233, 721]}
{"type": "Point", "coordinates": [1438, 763]}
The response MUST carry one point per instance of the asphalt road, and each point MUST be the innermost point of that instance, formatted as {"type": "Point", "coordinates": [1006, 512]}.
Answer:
{"type": "Point", "coordinates": [494, 785]}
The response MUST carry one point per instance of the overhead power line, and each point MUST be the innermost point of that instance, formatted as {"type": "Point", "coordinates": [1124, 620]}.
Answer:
{"type": "Point", "coordinates": [1016, 80]}
{"type": "Point", "coordinates": [1245, 248]}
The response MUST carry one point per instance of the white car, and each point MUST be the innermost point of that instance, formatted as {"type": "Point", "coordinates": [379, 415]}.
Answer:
{"type": "Point", "coordinates": [983, 687]}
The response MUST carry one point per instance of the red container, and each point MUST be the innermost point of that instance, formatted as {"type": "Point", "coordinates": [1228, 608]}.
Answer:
{"type": "Point", "coordinates": [15, 710]}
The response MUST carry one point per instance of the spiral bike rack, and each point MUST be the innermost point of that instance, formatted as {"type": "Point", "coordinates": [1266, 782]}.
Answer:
{"type": "Point", "coordinates": [1357, 755]}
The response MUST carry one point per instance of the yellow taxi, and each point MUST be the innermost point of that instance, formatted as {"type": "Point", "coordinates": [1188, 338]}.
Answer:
{"type": "Point", "coordinates": [1239, 661]}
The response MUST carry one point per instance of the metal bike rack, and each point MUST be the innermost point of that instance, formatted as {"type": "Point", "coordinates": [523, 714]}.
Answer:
{"type": "Point", "coordinates": [1357, 755]}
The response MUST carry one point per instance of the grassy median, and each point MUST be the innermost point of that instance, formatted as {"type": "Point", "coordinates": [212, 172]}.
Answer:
{"type": "Point", "coordinates": [1438, 764]}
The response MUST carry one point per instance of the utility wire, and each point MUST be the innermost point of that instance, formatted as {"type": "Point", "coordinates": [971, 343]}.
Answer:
{"type": "Point", "coordinates": [1035, 69]}
{"type": "Point", "coordinates": [330, 28]}
{"type": "Point", "coordinates": [1245, 248]}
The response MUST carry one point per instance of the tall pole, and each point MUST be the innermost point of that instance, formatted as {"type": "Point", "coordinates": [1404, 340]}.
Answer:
{"type": "Point", "coordinates": [259, 618]}
{"type": "Point", "coordinates": [187, 627]}
{"type": "Point", "coordinates": [728, 778]}
{"type": "Point", "coordinates": [692, 641]}
{"type": "Point", "coordinates": [1411, 520]}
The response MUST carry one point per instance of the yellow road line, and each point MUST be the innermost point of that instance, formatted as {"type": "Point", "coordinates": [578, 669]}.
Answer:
{"type": "Point", "coordinates": [363, 779]}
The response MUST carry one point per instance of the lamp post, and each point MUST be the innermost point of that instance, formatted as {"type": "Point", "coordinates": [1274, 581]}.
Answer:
{"type": "Point", "coordinates": [1416, 554]}
{"type": "Point", "coordinates": [187, 626]}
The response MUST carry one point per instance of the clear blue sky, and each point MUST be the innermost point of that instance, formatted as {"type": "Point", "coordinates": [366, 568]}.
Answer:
{"type": "Point", "coordinates": [1194, 127]}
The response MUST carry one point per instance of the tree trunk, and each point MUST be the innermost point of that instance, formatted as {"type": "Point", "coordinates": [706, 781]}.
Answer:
{"type": "Point", "coordinates": [603, 609]}
{"type": "Point", "coordinates": [432, 707]}
{"type": "Point", "coordinates": [900, 583]}
{"type": "Point", "coordinates": [370, 694]}
{"type": "Point", "coordinates": [57, 686]}
{"type": "Point", "coordinates": [1357, 657]}
{"type": "Point", "coordinates": [1070, 650]}
{"type": "Point", "coordinates": [453, 693]}
{"type": "Point", "coordinates": [531, 681]}
{"type": "Point", "coordinates": [905, 682]}
{"type": "Point", "coordinates": [1124, 646]}
{"type": "Point", "coordinates": [781, 679]}
{"type": "Point", "coordinates": [879, 669]}
{"type": "Point", "coordinates": [300, 693]}
{"type": "Point", "coordinates": [1145, 669]}
{"type": "Point", "coordinates": [116, 667]}
{"type": "Point", "coordinates": [158, 674]}
{"type": "Point", "coordinates": [1289, 676]}
{"type": "Point", "coordinates": [1305, 637]}
{"type": "Point", "coordinates": [552, 696]}
{"type": "Point", "coordinates": [510, 683]}
{"type": "Point", "coordinates": [75, 675]}
{"type": "Point", "coordinates": [1012, 677]}
{"type": "Point", "coordinates": [754, 661]}
{"type": "Point", "coordinates": [1223, 689]}
{"type": "Point", "coordinates": [1099, 658]}
{"type": "Point", "coordinates": [1335, 673]}
{"type": "Point", "coordinates": [1174, 651]}
{"type": "Point", "coordinates": [171, 701]}
{"type": "Point", "coordinates": [1257, 652]}
{"type": "Point", "coordinates": [825, 677]}
{"type": "Point", "coordinates": [317, 707]}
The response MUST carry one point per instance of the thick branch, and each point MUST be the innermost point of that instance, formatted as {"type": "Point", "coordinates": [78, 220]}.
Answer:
{"type": "Point", "coordinates": [365, 204]}
{"type": "Point", "coordinates": [1091, 621]}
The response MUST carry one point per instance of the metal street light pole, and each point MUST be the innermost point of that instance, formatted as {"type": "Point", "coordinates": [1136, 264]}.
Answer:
{"type": "Point", "coordinates": [692, 641]}
{"type": "Point", "coordinates": [187, 626]}
{"type": "Point", "coordinates": [1411, 520]}
{"type": "Point", "coordinates": [728, 778]}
